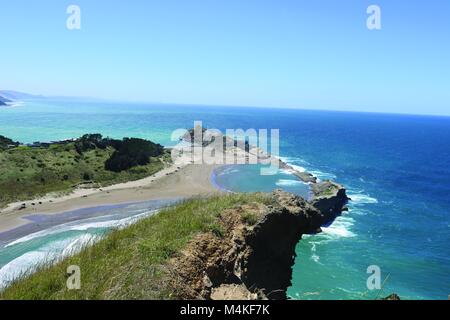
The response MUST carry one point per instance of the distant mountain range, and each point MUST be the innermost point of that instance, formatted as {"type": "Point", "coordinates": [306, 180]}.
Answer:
{"type": "Point", "coordinates": [16, 95]}
{"type": "Point", "coordinates": [3, 101]}
{"type": "Point", "coordinates": [7, 96]}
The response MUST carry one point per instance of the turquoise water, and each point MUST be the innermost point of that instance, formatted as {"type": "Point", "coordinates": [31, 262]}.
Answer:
{"type": "Point", "coordinates": [247, 178]}
{"type": "Point", "coordinates": [396, 169]}
{"type": "Point", "coordinates": [51, 238]}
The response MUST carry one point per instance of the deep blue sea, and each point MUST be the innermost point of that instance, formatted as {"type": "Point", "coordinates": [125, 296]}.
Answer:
{"type": "Point", "coordinates": [396, 169]}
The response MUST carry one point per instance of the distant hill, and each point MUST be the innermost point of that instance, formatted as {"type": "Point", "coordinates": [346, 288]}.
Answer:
{"type": "Point", "coordinates": [16, 95]}
{"type": "Point", "coordinates": [29, 171]}
{"type": "Point", "coordinates": [2, 103]}
{"type": "Point", "coordinates": [4, 100]}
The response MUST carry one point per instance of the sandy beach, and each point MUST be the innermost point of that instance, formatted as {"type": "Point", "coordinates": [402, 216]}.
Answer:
{"type": "Point", "coordinates": [182, 179]}
{"type": "Point", "coordinates": [173, 182]}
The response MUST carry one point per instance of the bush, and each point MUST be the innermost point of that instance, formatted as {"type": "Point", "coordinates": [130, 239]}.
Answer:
{"type": "Point", "coordinates": [5, 143]}
{"type": "Point", "coordinates": [86, 176]}
{"type": "Point", "coordinates": [132, 152]}
{"type": "Point", "coordinates": [93, 141]}
{"type": "Point", "coordinates": [249, 218]}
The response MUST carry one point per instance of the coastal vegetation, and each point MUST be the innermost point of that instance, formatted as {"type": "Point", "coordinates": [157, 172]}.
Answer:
{"type": "Point", "coordinates": [238, 246]}
{"type": "Point", "coordinates": [134, 263]}
{"type": "Point", "coordinates": [29, 171]}
{"type": "Point", "coordinates": [6, 143]}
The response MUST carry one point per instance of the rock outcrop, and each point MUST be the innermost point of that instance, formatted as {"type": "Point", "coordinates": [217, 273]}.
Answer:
{"type": "Point", "coordinates": [330, 198]}
{"type": "Point", "coordinates": [253, 257]}
{"type": "Point", "coordinates": [302, 175]}
{"type": "Point", "coordinates": [392, 296]}
{"type": "Point", "coordinates": [254, 261]}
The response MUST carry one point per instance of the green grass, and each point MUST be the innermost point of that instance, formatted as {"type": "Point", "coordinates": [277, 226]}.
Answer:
{"type": "Point", "coordinates": [249, 218]}
{"type": "Point", "coordinates": [132, 263]}
{"type": "Point", "coordinates": [27, 173]}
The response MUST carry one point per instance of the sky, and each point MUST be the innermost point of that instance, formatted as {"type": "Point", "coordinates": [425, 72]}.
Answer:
{"type": "Point", "coordinates": [297, 54]}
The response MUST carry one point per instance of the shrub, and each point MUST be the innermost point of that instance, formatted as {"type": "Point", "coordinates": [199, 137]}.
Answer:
{"type": "Point", "coordinates": [5, 143]}
{"type": "Point", "coordinates": [249, 218]}
{"type": "Point", "coordinates": [86, 176]}
{"type": "Point", "coordinates": [132, 152]}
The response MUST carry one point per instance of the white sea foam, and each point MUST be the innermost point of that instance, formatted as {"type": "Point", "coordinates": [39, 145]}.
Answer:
{"type": "Point", "coordinates": [227, 170]}
{"type": "Point", "coordinates": [56, 250]}
{"type": "Point", "coordinates": [340, 228]}
{"type": "Point", "coordinates": [359, 211]}
{"type": "Point", "coordinates": [19, 266]}
{"type": "Point", "coordinates": [83, 226]}
{"type": "Point", "coordinates": [290, 160]}
{"type": "Point", "coordinates": [314, 256]}
{"type": "Point", "coordinates": [79, 243]}
{"type": "Point", "coordinates": [322, 175]}
{"type": "Point", "coordinates": [359, 198]}
{"type": "Point", "coordinates": [27, 262]}
{"type": "Point", "coordinates": [56, 229]}
{"type": "Point", "coordinates": [288, 183]}
{"type": "Point", "coordinates": [122, 223]}
{"type": "Point", "coordinates": [298, 168]}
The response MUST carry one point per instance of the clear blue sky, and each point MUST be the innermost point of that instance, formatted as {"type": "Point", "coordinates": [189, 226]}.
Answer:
{"type": "Point", "coordinates": [306, 54]}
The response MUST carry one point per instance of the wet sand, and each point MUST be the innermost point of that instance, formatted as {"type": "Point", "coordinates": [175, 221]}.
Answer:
{"type": "Point", "coordinates": [174, 182]}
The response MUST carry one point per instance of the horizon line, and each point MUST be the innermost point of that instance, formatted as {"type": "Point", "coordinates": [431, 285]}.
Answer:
{"type": "Point", "coordinates": [216, 105]}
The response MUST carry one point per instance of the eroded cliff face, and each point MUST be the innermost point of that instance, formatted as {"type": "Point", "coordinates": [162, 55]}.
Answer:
{"type": "Point", "coordinates": [253, 255]}
{"type": "Point", "coordinates": [329, 198]}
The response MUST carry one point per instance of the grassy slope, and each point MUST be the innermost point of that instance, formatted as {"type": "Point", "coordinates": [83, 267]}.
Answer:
{"type": "Point", "coordinates": [131, 263]}
{"type": "Point", "coordinates": [26, 172]}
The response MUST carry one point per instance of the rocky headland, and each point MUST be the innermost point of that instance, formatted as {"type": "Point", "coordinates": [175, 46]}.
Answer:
{"type": "Point", "coordinates": [250, 251]}
{"type": "Point", "coordinates": [253, 258]}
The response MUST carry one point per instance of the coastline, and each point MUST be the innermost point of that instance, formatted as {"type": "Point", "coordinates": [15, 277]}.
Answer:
{"type": "Point", "coordinates": [13, 104]}
{"type": "Point", "coordinates": [173, 182]}
{"type": "Point", "coordinates": [181, 180]}
{"type": "Point", "coordinates": [176, 181]}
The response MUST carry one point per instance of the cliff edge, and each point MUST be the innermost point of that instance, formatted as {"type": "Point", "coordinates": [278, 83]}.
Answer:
{"type": "Point", "coordinates": [253, 255]}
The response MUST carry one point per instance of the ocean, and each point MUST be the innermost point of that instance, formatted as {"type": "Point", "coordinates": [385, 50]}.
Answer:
{"type": "Point", "coordinates": [396, 169]}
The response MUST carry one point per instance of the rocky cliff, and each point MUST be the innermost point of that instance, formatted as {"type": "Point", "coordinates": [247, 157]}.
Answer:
{"type": "Point", "coordinates": [329, 198]}
{"type": "Point", "coordinates": [252, 256]}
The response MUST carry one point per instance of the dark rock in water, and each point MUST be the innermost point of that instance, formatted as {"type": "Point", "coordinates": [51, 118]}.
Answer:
{"type": "Point", "coordinates": [303, 176]}
{"type": "Point", "coordinates": [330, 198]}
{"type": "Point", "coordinates": [271, 254]}
{"type": "Point", "coordinates": [254, 261]}
{"type": "Point", "coordinates": [392, 297]}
